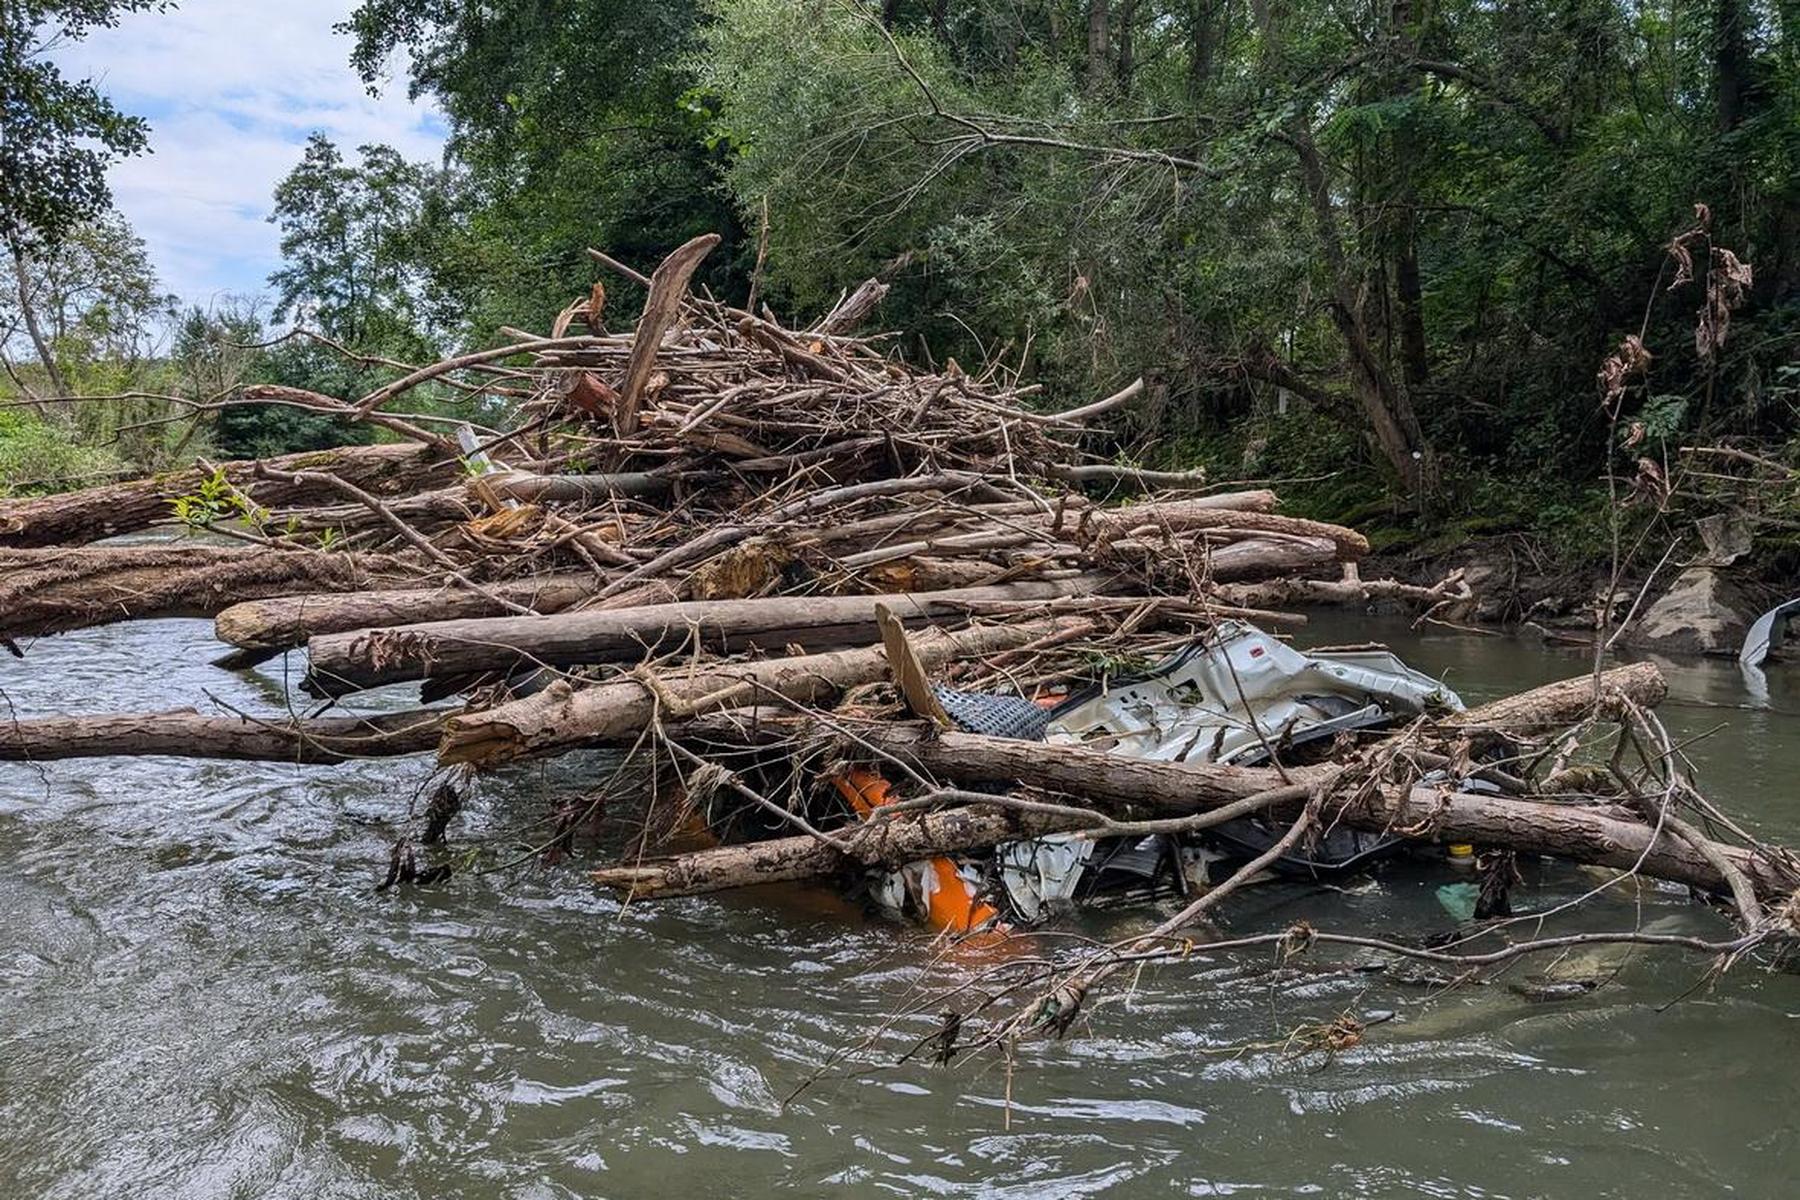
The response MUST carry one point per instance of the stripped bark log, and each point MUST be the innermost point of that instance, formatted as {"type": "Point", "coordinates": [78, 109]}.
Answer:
{"type": "Point", "coordinates": [853, 309]}
{"type": "Point", "coordinates": [1275, 593]}
{"type": "Point", "coordinates": [1259, 559]}
{"type": "Point", "coordinates": [1556, 706]}
{"type": "Point", "coordinates": [791, 859]}
{"type": "Point", "coordinates": [561, 718]}
{"type": "Point", "coordinates": [51, 591]}
{"type": "Point", "coordinates": [76, 518]}
{"type": "Point", "coordinates": [1574, 834]}
{"type": "Point", "coordinates": [282, 622]}
{"type": "Point", "coordinates": [1112, 779]}
{"type": "Point", "coordinates": [350, 662]}
{"type": "Point", "coordinates": [585, 489]}
{"type": "Point", "coordinates": [190, 735]}
{"type": "Point", "coordinates": [1152, 520]}
{"type": "Point", "coordinates": [667, 286]}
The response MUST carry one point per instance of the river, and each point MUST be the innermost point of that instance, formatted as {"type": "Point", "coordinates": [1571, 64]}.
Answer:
{"type": "Point", "coordinates": [201, 996]}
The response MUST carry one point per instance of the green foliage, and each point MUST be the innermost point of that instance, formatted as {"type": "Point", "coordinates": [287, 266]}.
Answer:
{"type": "Point", "coordinates": [38, 457]}
{"type": "Point", "coordinates": [96, 301]}
{"type": "Point", "coordinates": [56, 136]}
{"type": "Point", "coordinates": [573, 124]}
{"type": "Point", "coordinates": [352, 239]}
{"type": "Point", "coordinates": [216, 500]}
{"type": "Point", "coordinates": [1375, 252]}
{"type": "Point", "coordinates": [1157, 216]}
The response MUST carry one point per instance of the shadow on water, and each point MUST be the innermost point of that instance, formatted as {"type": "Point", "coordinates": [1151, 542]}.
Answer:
{"type": "Point", "coordinates": [201, 996]}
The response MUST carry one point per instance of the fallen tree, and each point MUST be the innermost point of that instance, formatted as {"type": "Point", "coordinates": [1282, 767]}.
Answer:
{"type": "Point", "coordinates": [1133, 787]}
{"type": "Point", "coordinates": [798, 859]}
{"type": "Point", "coordinates": [562, 717]}
{"type": "Point", "coordinates": [281, 622]}
{"type": "Point", "coordinates": [185, 733]}
{"type": "Point", "coordinates": [1138, 522]}
{"type": "Point", "coordinates": [350, 662]}
{"type": "Point", "coordinates": [53, 590]}
{"type": "Point", "coordinates": [77, 518]}
{"type": "Point", "coordinates": [1574, 834]}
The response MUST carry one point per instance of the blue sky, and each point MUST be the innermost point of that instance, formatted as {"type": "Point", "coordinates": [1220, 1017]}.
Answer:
{"type": "Point", "coordinates": [232, 89]}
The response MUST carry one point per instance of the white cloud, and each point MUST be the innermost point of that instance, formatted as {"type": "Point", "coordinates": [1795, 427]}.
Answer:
{"type": "Point", "coordinates": [232, 88]}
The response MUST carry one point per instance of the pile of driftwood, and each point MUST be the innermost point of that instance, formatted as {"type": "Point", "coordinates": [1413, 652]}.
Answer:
{"type": "Point", "coordinates": [717, 541]}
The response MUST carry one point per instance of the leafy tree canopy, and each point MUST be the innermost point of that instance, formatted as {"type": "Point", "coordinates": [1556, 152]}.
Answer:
{"type": "Point", "coordinates": [574, 123]}
{"type": "Point", "coordinates": [56, 135]}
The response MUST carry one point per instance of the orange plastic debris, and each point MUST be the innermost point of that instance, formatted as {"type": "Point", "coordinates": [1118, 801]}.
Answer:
{"type": "Point", "coordinates": [953, 906]}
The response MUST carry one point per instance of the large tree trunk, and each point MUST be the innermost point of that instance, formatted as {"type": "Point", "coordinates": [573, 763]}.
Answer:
{"type": "Point", "coordinates": [73, 518]}
{"type": "Point", "coordinates": [561, 718]}
{"type": "Point", "coordinates": [1555, 706]}
{"type": "Point", "coordinates": [1283, 593]}
{"type": "Point", "coordinates": [28, 310]}
{"type": "Point", "coordinates": [1258, 558]}
{"type": "Point", "coordinates": [1181, 516]}
{"type": "Point", "coordinates": [1411, 294]}
{"type": "Point", "coordinates": [425, 511]}
{"type": "Point", "coordinates": [1385, 406]}
{"type": "Point", "coordinates": [1731, 61]}
{"type": "Point", "coordinates": [350, 662]}
{"type": "Point", "coordinates": [1099, 43]}
{"type": "Point", "coordinates": [1127, 64]}
{"type": "Point", "coordinates": [1203, 43]}
{"type": "Point", "coordinates": [1400, 200]}
{"type": "Point", "coordinates": [186, 734]}
{"type": "Point", "coordinates": [51, 591]}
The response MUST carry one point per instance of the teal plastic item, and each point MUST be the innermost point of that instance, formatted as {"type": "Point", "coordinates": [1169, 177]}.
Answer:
{"type": "Point", "coordinates": [1459, 900]}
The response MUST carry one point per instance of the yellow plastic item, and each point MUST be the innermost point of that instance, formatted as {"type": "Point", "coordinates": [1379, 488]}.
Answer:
{"type": "Point", "coordinates": [953, 906]}
{"type": "Point", "coordinates": [1461, 850]}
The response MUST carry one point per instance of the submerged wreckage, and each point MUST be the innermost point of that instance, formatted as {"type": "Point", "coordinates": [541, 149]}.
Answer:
{"type": "Point", "coordinates": [866, 623]}
{"type": "Point", "coordinates": [1236, 696]}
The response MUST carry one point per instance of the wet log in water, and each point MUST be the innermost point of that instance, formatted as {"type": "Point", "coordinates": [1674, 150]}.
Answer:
{"type": "Point", "coordinates": [1603, 836]}
{"type": "Point", "coordinates": [188, 734]}
{"type": "Point", "coordinates": [1584, 835]}
{"type": "Point", "coordinates": [794, 859]}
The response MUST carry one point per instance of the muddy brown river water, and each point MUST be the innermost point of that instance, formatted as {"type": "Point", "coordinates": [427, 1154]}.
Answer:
{"type": "Point", "coordinates": [200, 996]}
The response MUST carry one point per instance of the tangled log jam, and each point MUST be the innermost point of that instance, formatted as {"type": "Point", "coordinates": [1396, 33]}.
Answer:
{"type": "Point", "coordinates": [744, 552]}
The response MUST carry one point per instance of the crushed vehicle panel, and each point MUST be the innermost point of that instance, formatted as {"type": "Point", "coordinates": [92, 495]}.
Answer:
{"type": "Point", "coordinates": [1238, 697]}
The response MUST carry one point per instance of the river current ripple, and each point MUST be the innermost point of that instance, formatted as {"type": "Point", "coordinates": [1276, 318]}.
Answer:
{"type": "Point", "coordinates": [201, 995]}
